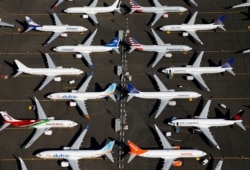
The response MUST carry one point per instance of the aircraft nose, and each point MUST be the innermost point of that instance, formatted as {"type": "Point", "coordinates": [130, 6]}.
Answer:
{"type": "Point", "coordinates": [198, 94]}
{"type": "Point", "coordinates": [49, 96]}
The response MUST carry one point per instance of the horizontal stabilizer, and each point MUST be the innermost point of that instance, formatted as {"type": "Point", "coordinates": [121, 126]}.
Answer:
{"type": "Point", "coordinates": [131, 157]}
{"type": "Point", "coordinates": [5, 125]}
{"type": "Point", "coordinates": [240, 125]}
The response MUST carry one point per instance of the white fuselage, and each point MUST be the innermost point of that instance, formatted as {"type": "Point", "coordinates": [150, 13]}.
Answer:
{"type": "Point", "coordinates": [69, 154]}
{"type": "Point", "coordinates": [76, 96]}
{"type": "Point", "coordinates": [170, 153]}
{"type": "Point", "coordinates": [164, 48]}
{"type": "Point", "coordinates": [60, 28]}
{"type": "Point", "coordinates": [52, 71]}
{"type": "Point", "coordinates": [86, 9]}
{"type": "Point", "coordinates": [82, 48]}
{"type": "Point", "coordinates": [162, 9]}
{"type": "Point", "coordinates": [202, 122]}
{"type": "Point", "coordinates": [186, 27]}
{"type": "Point", "coordinates": [166, 95]}
{"type": "Point", "coordinates": [55, 124]}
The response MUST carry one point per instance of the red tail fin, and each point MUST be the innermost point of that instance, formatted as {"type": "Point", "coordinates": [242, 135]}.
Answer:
{"type": "Point", "coordinates": [238, 115]}
{"type": "Point", "coordinates": [135, 149]}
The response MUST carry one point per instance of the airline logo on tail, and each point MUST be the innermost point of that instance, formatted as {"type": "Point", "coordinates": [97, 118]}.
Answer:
{"type": "Point", "coordinates": [228, 64]}
{"type": "Point", "coordinates": [111, 89]}
{"type": "Point", "coordinates": [113, 43]}
{"type": "Point", "coordinates": [135, 5]}
{"type": "Point", "coordinates": [135, 44]}
{"type": "Point", "coordinates": [135, 149]}
{"type": "Point", "coordinates": [132, 89]}
{"type": "Point", "coordinates": [7, 117]}
{"type": "Point", "coordinates": [238, 115]}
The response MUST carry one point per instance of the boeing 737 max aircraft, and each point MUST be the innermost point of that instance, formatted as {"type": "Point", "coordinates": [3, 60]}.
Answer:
{"type": "Point", "coordinates": [161, 48]}
{"type": "Point", "coordinates": [73, 154]}
{"type": "Point", "coordinates": [51, 73]}
{"type": "Point", "coordinates": [246, 4]}
{"type": "Point", "coordinates": [86, 48]}
{"type": "Point", "coordinates": [79, 96]}
{"type": "Point", "coordinates": [190, 28]}
{"type": "Point", "coordinates": [169, 154]}
{"type": "Point", "coordinates": [158, 9]}
{"type": "Point", "coordinates": [92, 10]}
{"type": "Point", "coordinates": [59, 29]}
{"type": "Point", "coordinates": [42, 124]}
{"type": "Point", "coordinates": [195, 70]}
{"type": "Point", "coordinates": [203, 123]}
{"type": "Point", "coordinates": [164, 95]}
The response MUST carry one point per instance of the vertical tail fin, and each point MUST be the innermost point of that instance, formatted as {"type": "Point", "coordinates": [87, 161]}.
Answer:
{"type": "Point", "coordinates": [7, 117]}
{"type": "Point", "coordinates": [110, 91]}
{"type": "Point", "coordinates": [116, 6]}
{"type": "Point", "coordinates": [131, 89]}
{"type": "Point", "coordinates": [31, 24]}
{"type": "Point", "coordinates": [238, 120]}
{"type": "Point", "coordinates": [134, 150]}
{"type": "Point", "coordinates": [134, 44]}
{"type": "Point", "coordinates": [114, 43]}
{"type": "Point", "coordinates": [21, 68]}
{"type": "Point", "coordinates": [134, 6]}
{"type": "Point", "coordinates": [107, 149]}
{"type": "Point", "coordinates": [228, 66]}
{"type": "Point", "coordinates": [220, 21]}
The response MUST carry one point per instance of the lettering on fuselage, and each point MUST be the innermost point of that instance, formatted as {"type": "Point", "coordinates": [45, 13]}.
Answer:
{"type": "Point", "coordinates": [188, 123]}
{"type": "Point", "coordinates": [67, 49]}
{"type": "Point", "coordinates": [60, 155]}
{"type": "Point", "coordinates": [68, 96]}
{"type": "Point", "coordinates": [72, 28]}
{"type": "Point", "coordinates": [54, 124]}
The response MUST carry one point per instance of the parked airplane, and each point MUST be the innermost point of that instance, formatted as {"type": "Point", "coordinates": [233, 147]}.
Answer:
{"type": "Point", "coordinates": [5, 24]}
{"type": "Point", "coordinates": [92, 10]}
{"type": "Point", "coordinates": [190, 28]}
{"type": "Point", "coordinates": [73, 154]}
{"type": "Point", "coordinates": [161, 48]}
{"type": "Point", "coordinates": [86, 48]}
{"type": "Point", "coordinates": [246, 4]}
{"type": "Point", "coordinates": [158, 9]}
{"type": "Point", "coordinates": [52, 72]}
{"type": "Point", "coordinates": [203, 123]}
{"type": "Point", "coordinates": [169, 153]}
{"type": "Point", "coordinates": [23, 166]}
{"type": "Point", "coordinates": [79, 96]}
{"type": "Point", "coordinates": [164, 95]}
{"type": "Point", "coordinates": [59, 29]}
{"type": "Point", "coordinates": [42, 124]}
{"type": "Point", "coordinates": [195, 70]}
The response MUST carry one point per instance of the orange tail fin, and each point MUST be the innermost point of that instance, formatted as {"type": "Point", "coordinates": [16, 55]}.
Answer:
{"type": "Point", "coordinates": [135, 149]}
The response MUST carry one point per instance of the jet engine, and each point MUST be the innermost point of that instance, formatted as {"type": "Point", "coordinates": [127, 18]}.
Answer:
{"type": "Point", "coordinates": [85, 16]}
{"type": "Point", "coordinates": [168, 55]}
{"type": "Point", "coordinates": [66, 148]}
{"type": "Point", "coordinates": [184, 34]}
{"type": "Point", "coordinates": [172, 103]}
{"type": "Point", "coordinates": [78, 55]}
{"type": "Point", "coordinates": [64, 35]}
{"type": "Point", "coordinates": [165, 16]}
{"type": "Point", "coordinates": [51, 118]}
{"type": "Point", "coordinates": [48, 132]}
{"type": "Point", "coordinates": [72, 104]}
{"type": "Point", "coordinates": [57, 79]}
{"type": "Point", "coordinates": [177, 163]}
{"type": "Point", "coordinates": [190, 78]}
{"type": "Point", "coordinates": [64, 164]}
{"type": "Point", "coordinates": [176, 147]}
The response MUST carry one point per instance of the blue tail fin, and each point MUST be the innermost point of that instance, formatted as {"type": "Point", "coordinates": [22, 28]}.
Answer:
{"type": "Point", "coordinates": [219, 22]}
{"type": "Point", "coordinates": [132, 89]}
{"type": "Point", "coordinates": [114, 42]}
{"type": "Point", "coordinates": [229, 63]}
{"type": "Point", "coordinates": [107, 149]}
{"type": "Point", "coordinates": [110, 91]}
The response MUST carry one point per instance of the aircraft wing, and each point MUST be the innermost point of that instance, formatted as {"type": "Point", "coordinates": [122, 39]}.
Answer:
{"type": "Point", "coordinates": [93, 17]}
{"type": "Point", "coordinates": [38, 133]}
{"type": "Point", "coordinates": [5, 125]}
{"type": "Point", "coordinates": [57, 20]}
{"type": "Point", "coordinates": [157, 3]}
{"type": "Point", "coordinates": [23, 166]}
{"type": "Point", "coordinates": [205, 110]}
{"type": "Point", "coordinates": [40, 111]}
{"type": "Point", "coordinates": [246, 4]}
{"type": "Point", "coordinates": [49, 61]}
{"type": "Point", "coordinates": [161, 107]}
{"type": "Point", "coordinates": [164, 141]}
{"type": "Point", "coordinates": [192, 19]}
{"type": "Point", "coordinates": [93, 4]}
{"type": "Point", "coordinates": [53, 37]}
{"type": "Point", "coordinates": [195, 36]}
{"type": "Point", "coordinates": [77, 143]}
{"type": "Point", "coordinates": [85, 84]}
{"type": "Point", "coordinates": [167, 163]}
{"type": "Point", "coordinates": [197, 62]}
{"type": "Point", "coordinates": [200, 80]}
{"type": "Point", "coordinates": [90, 39]}
{"type": "Point", "coordinates": [6, 24]}
{"type": "Point", "coordinates": [157, 17]}
{"type": "Point", "coordinates": [219, 165]}
{"type": "Point", "coordinates": [209, 135]}
{"type": "Point", "coordinates": [158, 58]}
{"type": "Point", "coordinates": [47, 80]}
{"type": "Point", "coordinates": [157, 38]}
{"type": "Point", "coordinates": [57, 3]}
{"type": "Point", "coordinates": [87, 58]}
{"type": "Point", "coordinates": [81, 104]}
{"type": "Point", "coordinates": [159, 83]}
{"type": "Point", "coordinates": [74, 164]}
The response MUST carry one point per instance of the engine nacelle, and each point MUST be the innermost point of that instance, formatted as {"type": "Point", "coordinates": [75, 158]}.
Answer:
{"type": "Point", "coordinates": [176, 147]}
{"type": "Point", "coordinates": [85, 16]}
{"type": "Point", "coordinates": [171, 90]}
{"type": "Point", "coordinates": [184, 34]}
{"type": "Point", "coordinates": [64, 35]}
{"type": "Point", "coordinates": [177, 163]}
{"type": "Point", "coordinates": [64, 164]}
{"type": "Point", "coordinates": [48, 132]}
{"type": "Point", "coordinates": [78, 55]}
{"type": "Point", "coordinates": [57, 79]}
{"type": "Point", "coordinates": [72, 104]}
{"type": "Point", "coordinates": [165, 16]}
{"type": "Point", "coordinates": [196, 130]}
{"type": "Point", "coordinates": [168, 55]}
{"type": "Point", "coordinates": [66, 148]}
{"type": "Point", "coordinates": [70, 0]}
{"type": "Point", "coordinates": [172, 103]}
{"type": "Point", "coordinates": [190, 78]}
{"type": "Point", "coordinates": [51, 118]}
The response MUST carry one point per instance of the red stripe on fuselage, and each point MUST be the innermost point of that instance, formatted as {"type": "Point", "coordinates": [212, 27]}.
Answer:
{"type": "Point", "coordinates": [22, 123]}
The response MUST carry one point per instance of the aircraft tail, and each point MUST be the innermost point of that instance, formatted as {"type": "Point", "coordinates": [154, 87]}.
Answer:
{"type": "Point", "coordinates": [110, 91]}
{"type": "Point", "coordinates": [134, 151]}
{"type": "Point", "coordinates": [31, 24]}
{"type": "Point", "coordinates": [116, 6]}
{"type": "Point", "coordinates": [107, 149]}
{"type": "Point", "coordinates": [237, 119]}
{"type": "Point", "coordinates": [21, 68]}
{"type": "Point", "coordinates": [131, 89]}
{"type": "Point", "coordinates": [134, 44]}
{"type": "Point", "coordinates": [7, 117]}
{"type": "Point", "coordinates": [228, 66]}
{"type": "Point", "coordinates": [114, 43]}
{"type": "Point", "coordinates": [220, 21]}
{"type": "Point", "coordinates": [134, 6]}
